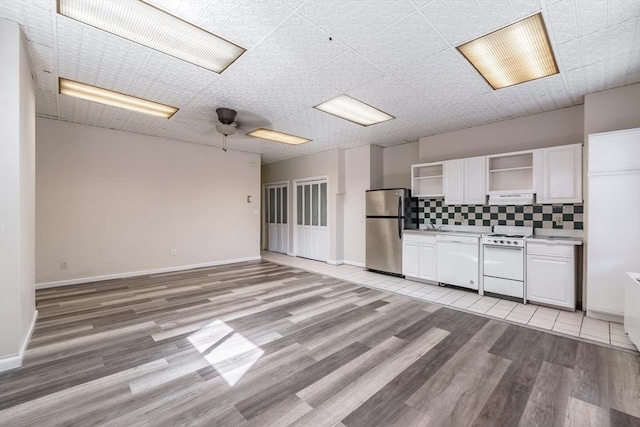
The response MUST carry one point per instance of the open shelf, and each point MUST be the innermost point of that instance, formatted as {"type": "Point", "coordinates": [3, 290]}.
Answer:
{"type": "Point", "coordinates": [511, 173]}
{"type": "Point", "coordinates": [511, 169]}
{"type": "Point", "coordinates": [428, 177]}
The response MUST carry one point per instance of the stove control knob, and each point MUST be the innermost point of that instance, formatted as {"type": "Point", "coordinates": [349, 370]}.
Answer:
{"type": "Point", "coordinates": [501, 241]}
{"type": "Point", "coordinates": [509, 242]}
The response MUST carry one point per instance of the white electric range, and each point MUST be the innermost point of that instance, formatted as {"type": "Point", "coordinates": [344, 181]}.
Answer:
{"type": "Point", "coordinates": [504, 262]}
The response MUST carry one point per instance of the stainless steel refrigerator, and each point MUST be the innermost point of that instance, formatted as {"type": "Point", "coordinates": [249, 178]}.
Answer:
{"type": "Point", "coordinates": [388, 213]}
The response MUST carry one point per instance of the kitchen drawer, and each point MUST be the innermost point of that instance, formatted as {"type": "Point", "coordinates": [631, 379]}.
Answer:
{"type": "Point", "coordinates": [419, 238]}
{"type": "Point", "coordinates": [551, 249]}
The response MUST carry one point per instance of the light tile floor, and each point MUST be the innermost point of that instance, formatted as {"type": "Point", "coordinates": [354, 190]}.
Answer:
{"type": "Point", "coordinates": [563, 322]}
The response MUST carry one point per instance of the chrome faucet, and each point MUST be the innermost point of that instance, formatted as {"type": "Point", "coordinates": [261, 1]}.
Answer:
{"type": "Point", "coordinates": [433, 226]}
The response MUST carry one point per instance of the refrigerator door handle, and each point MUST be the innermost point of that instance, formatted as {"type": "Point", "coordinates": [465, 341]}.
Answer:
{"type": "Point", "coordinates": [400, 217]}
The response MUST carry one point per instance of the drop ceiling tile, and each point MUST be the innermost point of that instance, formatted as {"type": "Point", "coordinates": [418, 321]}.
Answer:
{"type": "Point", "coordinates": [46, 103]}
{"type": "Point", "coordinates": [367, 20]}
{"type": "Point", "coordinates": [262, 26]}
{"type": "Point", "coordinates": [393, 49]}
{"type": "Point", "coordinates": [596, 75]}
{"type": "Point", "coordinates": [524, 8]}
{"type": "Point", "coordinates": [623, 10]}
{"type": "Point", "coordinates": [418, 25]}
{"type": "Point", "coordinates": [593, 47]}
{"type": "Point", "coordinates": [561, 20]}
{"type": "Point", "coordinates": [216, 14]}
{"type": "Point", "coordinates": [569, 55]}
{"type": "Point", "coordinates": [46, 81]}
{"type": "Point", "coordinates": [445, 22]}
{"type": "Point", "coordinates": [346, 71]}
{"type": "Point", "coordinates": [592, 16]}
{"type": "Point", "coordinates": [498, 12]}
{"type": "Point", "coordinates": [470, 16]}
{"type": "Point", "coordinates": [295, 45]}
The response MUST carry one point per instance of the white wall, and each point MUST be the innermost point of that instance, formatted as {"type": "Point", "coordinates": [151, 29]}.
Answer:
{"type": "Point", "coordinates": [115, 203]}
{"type": "Point", "coordinates": [17, 196]}
{"type": "Point", "coordinates": [328, 163]}
{"type": "Point", "coordinates": [614, 109]}
{"type": "Point", "coordinates": [397, 161]}
{"type": "Point", "coordinates": [377, 167]}
{"type": "Point", "coordinates": [548, 129]}
{"type": "Point", "coordinates": [357, 181]}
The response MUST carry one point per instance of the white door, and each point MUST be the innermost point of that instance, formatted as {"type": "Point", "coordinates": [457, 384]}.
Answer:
{"type": "Point", "coordinates": [276, 213]}
{"type": "Point", "coordinates": [410, 259]}
{"type": "Point", "coordinates": [312, 233]}
{"type": "Point", "coordinates": [428, 261]}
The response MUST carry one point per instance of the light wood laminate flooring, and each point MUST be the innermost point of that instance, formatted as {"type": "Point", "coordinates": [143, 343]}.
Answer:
{"type": "Point", "coordinates": [258, 344]}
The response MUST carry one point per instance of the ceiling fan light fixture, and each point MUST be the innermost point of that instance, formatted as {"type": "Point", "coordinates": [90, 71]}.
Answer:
{"type": "Point", "coordinates": [276, 136]}
{"type": "Point", "coordinates": [225, 129]}
{"type": "Point", "coordinates": [515, 54]}
{"type": "Point", "coordinates": [114, 99]}
{"type": "Point", "coordinates": [150, 26]}
{"type": "Point", "coordinates": [355, 111]}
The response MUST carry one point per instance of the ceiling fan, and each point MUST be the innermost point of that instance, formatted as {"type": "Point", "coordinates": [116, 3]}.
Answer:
{"type": "Point", "coordinates": [227, 125]}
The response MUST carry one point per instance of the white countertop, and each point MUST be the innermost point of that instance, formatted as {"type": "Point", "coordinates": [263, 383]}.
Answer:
{"type": "Point", "coordinates": [563, 237]}
{"type": "Point", "coordinates": [556, 240]}
{"type": "Point", "coordinates": [462, 231]}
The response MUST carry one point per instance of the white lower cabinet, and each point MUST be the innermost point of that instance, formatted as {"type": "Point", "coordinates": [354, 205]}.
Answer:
{"type": "Point", "coordinates": [419, 256]}
{"type": "Point", "coordinates": [410, 258]}
{"type": "Point", "coordinates": [551, 277]}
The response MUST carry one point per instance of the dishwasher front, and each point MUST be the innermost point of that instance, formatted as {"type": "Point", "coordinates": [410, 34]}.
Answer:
{"type": "Point", "coordinates": [458, 260]}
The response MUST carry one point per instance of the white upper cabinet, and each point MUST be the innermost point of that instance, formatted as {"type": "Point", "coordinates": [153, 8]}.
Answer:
{"type": "Point", "coordinates": [454, 182]}
{"type": "Point", "coordinates": [512, 172]}
{"type": "Point", "coordinates": [561, 175]}
{"type": "Point", "coordinates": [475, 189]}
{"type": "Point", "coordinates": [464, 181]}
{"type": "Point", "coordinates": [427, 180]}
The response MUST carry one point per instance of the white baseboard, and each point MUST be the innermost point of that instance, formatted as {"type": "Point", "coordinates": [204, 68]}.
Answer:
{"type": "Point", "coordinates": [290, 254]}
{"type": "Point", "coordinates": [14, 361]}
{"type": "Point", "coordinates": [603, 315]}
{"type": "Point", "coordinates": [90, 279]}
{"type": "Point", "coordinates": [355, 264]}
{"type": "Point", "coordinates": [335, 262]}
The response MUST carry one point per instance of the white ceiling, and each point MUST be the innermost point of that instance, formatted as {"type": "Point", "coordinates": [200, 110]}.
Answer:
{"type": "Point", "coordinates": [397, 55]}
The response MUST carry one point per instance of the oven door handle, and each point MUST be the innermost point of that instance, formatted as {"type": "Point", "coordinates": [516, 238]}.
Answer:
{"type": "Point", "coordinates": [513, 248]}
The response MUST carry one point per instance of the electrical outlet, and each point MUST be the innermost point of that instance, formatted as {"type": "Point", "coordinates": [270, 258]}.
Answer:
{"type": "Point", "coordinates": [557, 219]}
{"type": "Point", "coordinates": [174, 252]}
{"type": "Point", "coordinates": [64, 265]}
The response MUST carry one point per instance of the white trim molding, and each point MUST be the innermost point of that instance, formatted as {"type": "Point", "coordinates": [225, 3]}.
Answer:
{"type": "Point", "coordinates": [80, 280]}
{"type": "Point", "coordinates": [335, 262]}
{"type": "Point", "coordinates": [14, 361]}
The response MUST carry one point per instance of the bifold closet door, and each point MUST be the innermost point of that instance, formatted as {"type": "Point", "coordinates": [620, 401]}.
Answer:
{"type": "Point", "coordinates": [276, 206]}
{"type": "Point", "coordinates": [311, 220]}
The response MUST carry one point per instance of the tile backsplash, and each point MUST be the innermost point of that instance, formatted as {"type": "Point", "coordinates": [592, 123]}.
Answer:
{"type": "Point", "coordinates": [537, 216]}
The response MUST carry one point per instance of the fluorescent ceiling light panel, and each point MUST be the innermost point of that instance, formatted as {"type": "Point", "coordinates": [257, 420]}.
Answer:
{"type": "Point", "coordinates": [143, 23]}
{"type": "Point", "coordinates": [114, 99]}
{"type": "Point", "coordinates": [273, 135]}
{"type": "Point", "coordinates": [514, 54]}
{"type": "Point", "coordinates": [353, 110]}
